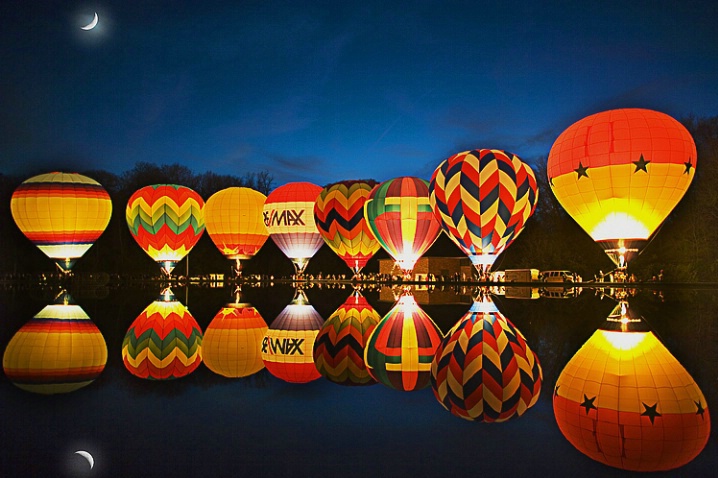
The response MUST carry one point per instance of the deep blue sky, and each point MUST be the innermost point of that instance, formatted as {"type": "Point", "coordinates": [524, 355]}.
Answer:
{"type": "Point", "coordinates": [326, 91]}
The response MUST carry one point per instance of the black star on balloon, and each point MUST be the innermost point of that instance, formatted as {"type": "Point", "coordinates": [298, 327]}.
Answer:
{"type": "Point", "coordinates": [651, 411]}
{"type": "Point", "coordinates": [641, 164]}
{"type": "Point", "coordinates": [581, 170]}
{"type": "Point", "coordinates": [588, 403]}
{"type": "Point", "coordinates": [700, 408]}
{"type": "Point", "coordinates": [555, 390]}
{"type": "Point", "coordinates": [550, 181]}
{"type": "Point", "coordinates": [688, 166]}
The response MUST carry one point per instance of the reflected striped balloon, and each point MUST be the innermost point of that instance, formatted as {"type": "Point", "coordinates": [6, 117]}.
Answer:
{"type": "Point", "coordinates": [166, 220]}
{"type": "Point", "coordinates": [484, 370]}
{"type": "Point", "coordinates": [164, 341]}
{"type": "Point", "coordinates": [339, 346]}
{"type": "Point", "coordinates": [339, 215]}
{"type": "Point", "coordinates": [482, 199]}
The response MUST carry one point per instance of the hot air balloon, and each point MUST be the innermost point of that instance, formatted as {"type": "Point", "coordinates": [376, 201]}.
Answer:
{"type": "Point", "coordinates": [399, 351]}
{"type": "Point", "coordinates": [234, 222]}
{"type": "Point", "coordinates": [60, 350]}
{"type": "Point", "coordinates": [287, 346]}
{"type": "Point", "coordinates": [400, 217]}
{"type": "Point", "coordinates": [619, 174]}
{"type": "Point", "coordinates": [339, 346]}
{"type": "Point", "coordinates": [483, 369]}
{"type": "Point", "coordinates": [288, 215]}
{"type": "Point", "coordinates": [164, 341]}
{"type": "Point", "coordinates": [232, 342]}
{"type": "Point", "coordinates": [166, 220]}
{"type": "Point", "coordinates": [63, 214]}
{"type": "Point", "coordinates": [482, 199]}
{"type": "Point", "coordinates": [339, 215]}
{"type": "Point", "coordinates": [625, 401]}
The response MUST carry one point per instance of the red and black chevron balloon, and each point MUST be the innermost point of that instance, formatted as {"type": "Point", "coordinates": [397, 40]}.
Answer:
{"type": "Point", "coordinates": [482, 199]}
{"type": "Point", "coordinates": [484, 370]}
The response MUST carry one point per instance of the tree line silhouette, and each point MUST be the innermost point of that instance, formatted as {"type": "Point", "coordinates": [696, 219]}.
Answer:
{"type": "Point", "coordinates": [683, 248]}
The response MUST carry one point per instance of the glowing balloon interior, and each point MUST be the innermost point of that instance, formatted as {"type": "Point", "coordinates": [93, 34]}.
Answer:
{"type": "Point", "coordinates": [166, 220]}
{"type": "Point", "coordinates": [63, 214]}
{"type": "Point", "coordinates": [620, 173]}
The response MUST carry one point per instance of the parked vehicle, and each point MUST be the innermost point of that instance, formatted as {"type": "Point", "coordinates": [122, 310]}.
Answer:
{"type": "Point", "coordinates": [521, 275]}
{"type": "Point", "coordinates": [559, 276]}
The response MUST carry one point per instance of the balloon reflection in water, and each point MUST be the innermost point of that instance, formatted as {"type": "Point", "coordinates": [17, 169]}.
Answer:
{"type": "Point", "coordinates": [625, 401]}
{"type": "Point", "coordinates": [339, 215]}
{"type": "Point", "coordinates": [289, 217]}
{"type": "Point", "coordinates": [483, 199]}
{"type": "Point", "coordinates": [164, 341]}
{"type": "Point", "coordinates": [400, 217]}
{"type": "Point", "coordinates": [401, 347]}
{"type": "Point", "coordinates": [63, 214]}
{"type": "Point", "coordinates": [339, 347]}
{"type": "Point", "coordinates": [233, 218]}
{"type": "Point", "coordinates": [619, 174]}
{"type": "Point", "coordinates": [232, 342]}
{"type": "Point", "coordinates": [484, 370]}
{"type": "Point", "coordinates": [287, 346]}
{"type": "Point", "coordinates": [59, 350]}
{"type": "Point", "coordinates": [166, 220]}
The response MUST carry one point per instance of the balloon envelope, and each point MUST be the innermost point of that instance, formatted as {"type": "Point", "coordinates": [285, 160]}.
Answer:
{"type": "Point", "coordinates": [484, 370]}
{"type": "Point", "coordinates": [164, 341]}
{"type": "Point", "coordinates": [339, 215]}
{"type": "Point", "coordinates": [482, 199]}
{"type": "Point", "coordinates": [619, 174]}
{"type": "Point", "coordinates": [166, 220]}
{"type": "Point", "coordinates": [624, 400]}
{"type": "Point", "coordinates": [339, 346]}
{"type": "Point", "coordinates": [60, 350]}
{"type": "Point", "coordinates": [234, 222]}
{"type": "Point", "coordinates": [289, 217]}
{"type": "Point", "coordinates": [63, 214]}
{"type": "Point", "coordinates": [400, 217]}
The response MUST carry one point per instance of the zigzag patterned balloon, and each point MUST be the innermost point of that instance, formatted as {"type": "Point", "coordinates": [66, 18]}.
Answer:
{"type": "Point", "coordinates": [339, 215]}
{"type": "Point", "coordinates": [483, 369]}
{"type": "Point", "coordinates": [166, 220]}
{"type": "Point", "coordinates": [339, 346]}
{"type": "Point", "coordinates": [482, 199]}
{"type": "Point", "coordinates": [164, 341]}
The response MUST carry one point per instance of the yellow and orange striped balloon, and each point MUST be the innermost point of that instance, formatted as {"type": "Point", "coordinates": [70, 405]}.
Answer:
{"type": "Point", "coordinates": [234, 222]}
{"type": "Point", "coordinates": [63, 214]}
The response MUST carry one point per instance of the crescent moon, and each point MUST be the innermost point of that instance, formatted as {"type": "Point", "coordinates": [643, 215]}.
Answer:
{"type": "Point", "coordinates": [92, 24]}
{"type": "Point", "coordinates": [87, 457]}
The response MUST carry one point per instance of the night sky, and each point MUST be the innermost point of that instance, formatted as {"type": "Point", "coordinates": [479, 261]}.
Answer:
{"type": "Point", "coordinates": [327, 91]}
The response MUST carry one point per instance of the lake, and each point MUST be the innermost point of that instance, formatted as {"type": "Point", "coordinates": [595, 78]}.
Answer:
{"type": "Point", "coordinates": [260, 426]}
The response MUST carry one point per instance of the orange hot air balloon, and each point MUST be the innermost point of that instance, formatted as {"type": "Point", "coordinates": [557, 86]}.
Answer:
{"type": "Point", "coordinates": [339, 215]}
{"type": "Point", "coordinates": [166, 220]}
{"type": "Point", "coordinates": [289, 217]}
{"type": "Point", "coordinates": [620, 173]}
{"type": "Point", "coordinates": [63, 214]}
{"type": "Point", "coordinates": [625, 401]}
{"type": "Point", "coordinates": [400, 217]}
{"type": "Point", "coordinates": [232, 342]}
{"type": "Point", "coordinates": [234, 222]}
{"type": "Point", "coordinates": [60, 350]}
{"type": "Point", "coordinates": [287, 346]}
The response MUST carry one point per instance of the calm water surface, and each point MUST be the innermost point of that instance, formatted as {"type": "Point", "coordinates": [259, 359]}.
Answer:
{"type": "Point", "coordinates": [208, 425]}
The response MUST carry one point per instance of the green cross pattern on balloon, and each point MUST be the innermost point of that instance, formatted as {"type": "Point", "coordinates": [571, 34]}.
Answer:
{"type": "Point", "coordinates": [483, 199]}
